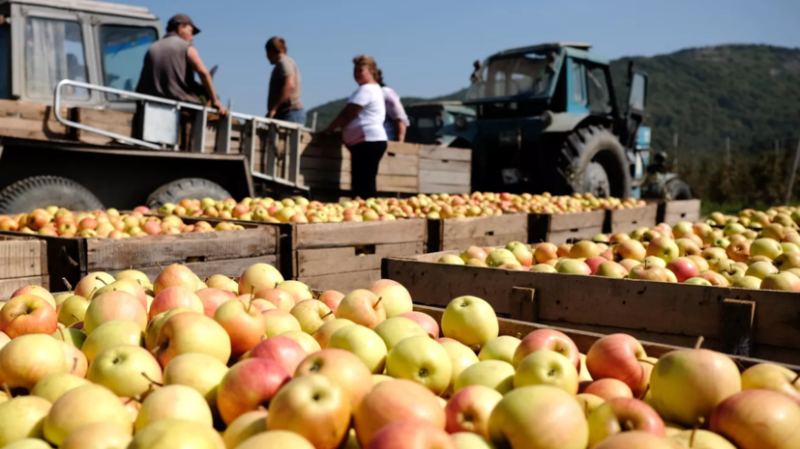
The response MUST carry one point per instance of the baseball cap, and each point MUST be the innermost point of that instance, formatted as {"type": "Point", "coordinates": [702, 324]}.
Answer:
{"type": "Point", "coordinates": [182, 19]}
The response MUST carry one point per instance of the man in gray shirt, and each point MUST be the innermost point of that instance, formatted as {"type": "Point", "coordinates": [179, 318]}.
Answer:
{"type": "Point", "coordinates": [285, 85]}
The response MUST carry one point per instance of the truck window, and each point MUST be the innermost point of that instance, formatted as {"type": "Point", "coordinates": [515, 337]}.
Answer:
{"type": "Point", "coordinates": [5, 64]}
{"type": "Point", "coordinates": [597, 90]}
{"type": "Point", "coordinates": [124, 49]}
{"type": "Point", "coordinates": [53, 52]}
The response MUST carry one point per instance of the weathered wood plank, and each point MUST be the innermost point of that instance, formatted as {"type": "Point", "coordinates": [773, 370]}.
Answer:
{"type": "Point", "coordinates": [317, 262]}
{"type": "Point", "coordinates": [444, 188]}
{"type": "Point", "coordinates": [560, 228]}
{"type": "Point", "coordinates": [445, 153]}
{"type": "Point", "coordinates": [565, 222]}
{"type": "Point", "coordinates": [628, 220]}
{"type": "Point", "coordinates": [673, 212]}
{"type": "Point", "coordinates": [343, 282]}
{"type": "Point", "coordinates": [108, 120]}
{"type": "Point", "coordinates": [321, 235]}
{"type": "Point", "coordinates": [33, 129]}
{"type": "Point", "coordinates": [434, 176]}
{"type": "Point", "coordinates": [229, 267]}
{"type": "Point", "coordinates": [22, 257]}
{"type": "Point", "coordinates": [9, 286]}
{"type": "Point", "coordinates": [472, 227]}
{"type": "Point", "coordinates": [445, 166]}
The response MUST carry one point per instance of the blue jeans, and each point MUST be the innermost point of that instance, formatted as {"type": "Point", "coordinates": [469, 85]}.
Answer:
{"type": "Point", "coordinates": [293, 115]}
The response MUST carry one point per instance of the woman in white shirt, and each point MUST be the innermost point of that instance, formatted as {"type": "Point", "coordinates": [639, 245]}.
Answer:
{"type": "Point", "coordinates": [362, 127]}
{"type": "Point", "coordinates": [396, 121]}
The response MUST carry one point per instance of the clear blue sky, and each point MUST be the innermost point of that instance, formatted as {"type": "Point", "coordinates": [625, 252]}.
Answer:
{"type": "Point", "coordinates": [426, 47]}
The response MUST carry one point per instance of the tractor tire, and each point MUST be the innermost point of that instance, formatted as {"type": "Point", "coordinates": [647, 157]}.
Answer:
{"type": "Point", "coordinates": [187, 188]}
{"type": "Point", "coordinates": [593, 161]}
{"type": "Point", "coordinates": [38, 192]}
{"type": "Point", "coordinates": [675, 189]}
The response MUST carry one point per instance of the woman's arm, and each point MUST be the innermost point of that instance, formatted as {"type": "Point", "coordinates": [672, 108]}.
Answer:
{"type": "Point", "coordinates": [401, 130]}
{"type": "Point", "coordinates": [348, 114]}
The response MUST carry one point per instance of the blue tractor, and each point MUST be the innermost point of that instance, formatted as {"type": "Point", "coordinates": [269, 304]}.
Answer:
{"type": "Point", "coordinates": [547, 119]}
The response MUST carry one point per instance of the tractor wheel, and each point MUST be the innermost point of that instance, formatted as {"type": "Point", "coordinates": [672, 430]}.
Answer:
{"type": "Point", "coordinates": [593, 161]}
{"type": "Point", "coordinates": [675, 189]}
{"type": "Point", "coordinates": [38, 192]}
{"type": "Point", "coordinates": [187, 188]}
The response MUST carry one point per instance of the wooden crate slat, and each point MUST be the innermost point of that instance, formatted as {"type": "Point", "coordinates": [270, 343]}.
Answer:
{"type": "Point", "coordinates": [560, 228]}
{"type": "Point", "coordinates": [472, 227]}
{"type": "Point", "coordinates": [673, 212]}
{"type": "Point", "coordinates": [559, 237]}
{"type": "Point", "coordinates": [444, 188]}
{"type": "Point", "coordinates": [33, 129]}
{"type": "Point", "coordinates": [437, 152]}
{"type": "Point", "coordinates": [109, 254]}
{"type": "Point", "coordinates": [317, 262]}
{"type": "Point", "coordinates": [343, 282]}
{"type": "Point", "coordinates": [321, 235]}
{"type": "Point", "coordinates": [493, 240]}
{"type": "Point", "coordinates": [628, 220]}
{"type": "Point", "coordinates": [433, 176]}
{"type": "Point", "coordinates": [9, 286]}
{"type": "Point", "coordinates": [565, 222]}
{"type": "Point", "coordinates": [231, 267]}
{"type": "Point", "coordinates": [22, 258]}
{"type": "Point", "coordinates": [437, 165]}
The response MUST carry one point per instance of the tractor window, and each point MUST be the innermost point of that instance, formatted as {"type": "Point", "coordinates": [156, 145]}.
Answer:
{"type": "Point", "coordinates": [577, 82]}
{"type": "Point", "coordinates": [124, 49]}
{"type": "Point", "coordinates": [5, 64]}
{"type": "Point", "coordinates": [597, 90]}
{"type": "Point", "coordinates": [53, 52]}
{"type": "Point", "coordinates": [525, 74]}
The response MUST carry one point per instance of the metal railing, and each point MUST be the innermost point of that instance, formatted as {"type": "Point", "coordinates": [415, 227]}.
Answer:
{"type": "Point", "coordinates": [286, 173]}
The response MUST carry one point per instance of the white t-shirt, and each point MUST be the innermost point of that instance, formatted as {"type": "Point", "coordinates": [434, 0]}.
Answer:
{"type": "Point", "coordinates": [394, 111]}
{"type": "Point", "coordinates": [368, 126]}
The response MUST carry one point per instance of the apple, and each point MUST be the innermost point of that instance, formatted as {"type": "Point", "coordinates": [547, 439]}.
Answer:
{"type": "Point", "coordinates": [500, 348]}
{"type": "Point", "coordinates": [490, 373]}
{"type": "Point", "coordinates": [134, 275]}
{"type": "Point", "coordinates": [99, 435]}
{"type": "Point", "coordinates": [394, 297]}
{"type": "Point", "coordinates": [341, 367]}
{"type": "Point", "coordinates": [224, 283]}
{"type": "Point", "coordinates": [517, 420]}
{"type": "Point", "coordinates": [783, 281]}
{"type": "Point", "coordinates": [314, 407]}
{"type": "Point", "coordinates": [702, 264]}
{"type": "Point", "coordinates": [698, 281]}
{"type": "Point", "coordinates": [623, 415]}
{"type": "Point", "coordinates": [173, 297]}
{"type": "Point", "coordinates": [635, 440]}
{"type": "Point", "coordinates": [689, 247]}
{"type": "Point", "coordinates": [584, 249]}
{"type": "Point", "coordinates": [174, 402]}
{"type": "Point", "coordinates": [70, 336]}
{"type": "Point", "coordinates": [616, 356]}
{"type": "Point", "coordinates": [279, 322]}
{"type": "Point", "coordinates": [766, 247]}
{"type": "Point", "coordinates": [761, 270]}
{"type": "Point", "coordinates": [311, 314]}
{"type": "Point", "coordinates": [175, 275]}
{"type": "Point", "coordinates": [628, 264]}
{"type": "Point", "coordinates": [452, 259]}
{"type": "Point", "coordinates": [128, 371]}
{"type": "Point", "coordinates": [212, 298]}
{"type": "Point", "coordinates": [547, 368]}
{"type": "Point", "coordinates": [649, 272]}
{"type": "Point", "coordinates": [91, 282]}
{"type": "Point", "coordinates": [411, 433]}
{"type": "Point", "coordinates": [306, 341]}
{"type": "Point", "coordinates": [470, 320]}
{"type": "Point", "coordinates": [700, 439]}
{"type": "Point", "coordinates": [72, 310]}
{"type": "Point", "coordinates": [175, 433]}
{"type": "Point", "coordinates": [126, 286]}
{"type": "Point", "coordinates": [473, 252]}
{"type": "Point", "coordinates": [547, 339]}
{"type": "Point", "coordinates": [664, 248]}
{"type": "Point", "coordinates": [324, 333]}
{"type": "Point", "coordinates": [247, 385]}
{"type": "Point", "coordinates": [461, 357]}
{"type": "Point", "coordinates": [244, 324]}
{"type": "Point", "coordinates": [362, 307]}
{"type": "Point", "coordinates": [420, 359]}
{"type": "Point", "coordinates": [199, 371]}
{"type": "Point", "coordinates": [363, 342]}
{"type": "Point", "coordinates": [393, 401]}
{"type": "Point", "coordinates": [28, 358]}
{"type": "Point", "coordinates": [714, 278]}
{"type": "Point", "coordinates": [154, 326]}
{"type": "Point", "coordinates": [683, 268]}
{"type": "Point", "coordinates": [35, 290]}
{"type": "Point", "coordinates": [631, 249]}
{"type": "Point", "coordinates": [332, 299]}
{"type": "Point", "coordinates": [192, 332]}
{"type": "Point", "coordinates": [396, 329]}
{"type": "Point", "coordinates": [298, 290]}
{"type": "Point", "coordinates": [688, 384]}
{"type": "Point", "coordinates": [111, 334]}
{"type": "Point", "coordinates": [425, 321]}
{"type": "Point", "coordinates": [282, 350]}
{"type": "Point", "coordinates": [84, 405]}
{"type": "Point", "coordinates": [114, 306]}
{"type": "Point", "coordinates": [543, 268]}
{"type": "Point", "coordinates": [589, 403]}
{"type": "Point", "coordinates": [573, 266]}
{"type": "Point", "coordinates": [244, 427]}
{"type": "Point", "coordinates": [750, 282]}
{"type": "Point", "coordinates": [258, 277]}
{"type": "Point", "coordinates": [787, 260]}
{"type": "Point", "coordinates": [497, 257]}
{"type": "Point", "coordinates": [27, 314]}
{"type": "Point", "coordinates": [769, 376]}
{"type": "Point", "coordinates": [470, 408]}
{"type": "Point", "coordinates": [281, 299]}
{"type": "Point", "coordinates": [544, 252]}
{"type": "Point", "coordinates": [21, 418]}
{"type": "Point", "coordinates": [611, 269]}
{"type": "Point", "coordinates": [594, 263]}
{"type": "Point", "coordinates": [53, 386]}
{"type": "Point", "coordinates": [758, 419]}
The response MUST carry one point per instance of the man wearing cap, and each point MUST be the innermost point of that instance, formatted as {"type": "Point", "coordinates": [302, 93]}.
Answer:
{"type": "Point", "coordinates": [170, 65]}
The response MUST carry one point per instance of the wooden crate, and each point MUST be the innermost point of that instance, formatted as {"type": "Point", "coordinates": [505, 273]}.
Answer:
{"type": "Point", "coordinates": [757, 323]}
{"type": "Point", "coordinates": [673, 212]}
{"type": "Point", "coordinates": [562, 228]}
{"type": "Point", "coordinates": [628, 220]}
{"type": "Point", "coordinates": [584, 339]}
{"type": "Point", "coordinates": [460, 233]}
{"type": "Point", "coordinates": [206, 254]}
{"type": "Point", "coordinates": [23, 261]}
{"type": "Point", "coordinates": [346, 256]}
{"type": "Point", "coordinates": [444, 169]}
{"type": "Point", "coordinates": [31, 121]}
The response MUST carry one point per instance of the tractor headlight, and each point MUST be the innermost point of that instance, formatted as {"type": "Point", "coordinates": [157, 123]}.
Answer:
{"type": "Point", "coordinates": [461, 123]}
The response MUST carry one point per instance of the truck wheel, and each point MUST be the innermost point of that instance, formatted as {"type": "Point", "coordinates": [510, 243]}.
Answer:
{"type": "Point", "coordinates": [187, 188]}
{"type": "Point", "coordinates": [593, 161]}
{"type": "Point", "coordinates": [675, 189]}
{"type": "Point", "coordinates": [38, 192]}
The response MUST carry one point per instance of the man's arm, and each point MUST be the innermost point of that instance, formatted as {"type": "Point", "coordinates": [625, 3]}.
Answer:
{"type": "Point", "coordinates": [286, 92]}
{"type": "Point", "coordinates": [205, 77]}
{"type": "Point", "coordinates": [401, 130]}
{"type": "Point", "coordinates": [347, 115]}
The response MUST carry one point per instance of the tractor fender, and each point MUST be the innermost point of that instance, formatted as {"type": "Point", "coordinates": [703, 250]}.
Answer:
{"type": "Point", "coordinates": [562, 122]}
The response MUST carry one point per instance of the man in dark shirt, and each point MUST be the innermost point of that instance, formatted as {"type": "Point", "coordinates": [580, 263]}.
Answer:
{"type": "Point", "coordinates": [170, 65]}
{"type": "Point", "coordinates": [285, 85]}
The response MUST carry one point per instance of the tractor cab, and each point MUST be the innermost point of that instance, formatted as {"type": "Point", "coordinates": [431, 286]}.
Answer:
{"type": "Point", "coordinates": [547, 119]}
{"type": "Point", "coordinates": [427, 120]}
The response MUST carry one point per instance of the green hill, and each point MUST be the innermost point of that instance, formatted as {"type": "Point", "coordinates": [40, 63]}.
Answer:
{"type": "Point", "coordinates": [747, 93]}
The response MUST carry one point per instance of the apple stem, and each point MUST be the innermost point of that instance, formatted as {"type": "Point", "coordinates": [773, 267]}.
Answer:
{"type": "Point", "coordinates": [697, 425]}
{"type": "Point", "coordinates": [647, 361]}
{"type": "Point", "coordinates": [796, 378]}
{"type": "Point", "coordinates": [159, 266]}
{"type": "Point", "coordinates": [644, 393]}
{"type": "Point", "coordinates": [699, 343]}
{"type": "Point", "coordinates": [69, 286]}
{"type": "Point", "coordinates": [7, 390]}
{"type": "Point", "coordinates": [61, 331]}
{"type": "Point", "coordinates": [328, 314]}
{"type": "Point", "coordinates": [101, 280]}
{"type": "Point", "coordinates": [152, 382]}
{"type": "Point", "coordinates": [380, 298]}
{"type": "Point", "coordinates": [249, 304]}
{"type": "Point", "coordinates": [91, 293]}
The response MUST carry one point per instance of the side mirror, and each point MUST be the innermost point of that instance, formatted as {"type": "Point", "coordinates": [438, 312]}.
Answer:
{"type": "Point", "coordinates": [638, 92]}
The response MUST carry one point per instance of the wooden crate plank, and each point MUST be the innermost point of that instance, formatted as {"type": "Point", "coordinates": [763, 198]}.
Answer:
{"type": "Point", "coordinates": [317, 262]}
{"type": "Point", "coordinates": [322, 235]}
{"type": "Point", "coordinates": [445, 153]}
{"type": "Point", "coordinates": [109, 254]}
{"type": "Point", "coordinates": [444, 188]}
{"type": "Point", "coordinates": [559, 237]}
{"type": "Point", "coordinates": [472, 227]}
{"type": "Point", "coordinates": [343, 282]}
{"type": "Point", "coordinates": [494, 240]}
{"type": "Point", "coordinates": [22, 257]}
{"type": "Point", "coordinates": [434, 176]}
{"type": "Point", "coordinates": [230, 267]}
{"type": "Point", "coordinates": [628, 220]}
{"type": "Point", "coordinates": [673, 212]}
{"type": "Point", "coordinates": [565, 222]}
{"type": "Point", "coordinates": [9, 286]}
{"type": "Point", "coordinates": [29, 111]}
{"type": "Point", "coordinates": [445, 166]}
{"type": "Point", "coordinates": [33, 129]}
{"type": "Point", "coordinates": [108, 120]}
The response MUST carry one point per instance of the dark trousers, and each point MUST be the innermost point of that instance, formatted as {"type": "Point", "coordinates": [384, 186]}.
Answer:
{"type": "Point", "coordinates": [364, 158]}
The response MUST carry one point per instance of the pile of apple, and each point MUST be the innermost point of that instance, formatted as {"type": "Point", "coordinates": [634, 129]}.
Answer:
{"type": "Point", "coordinates": [688, 253]}
{"type": "Point", "coordinates": [751, 218]}
{"type": "Point", "coordinates": [60, 222]}
{"type": "Point", "coordinates": [436, 206]}
{"type": "Point", "coordinates": [262, 364]}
